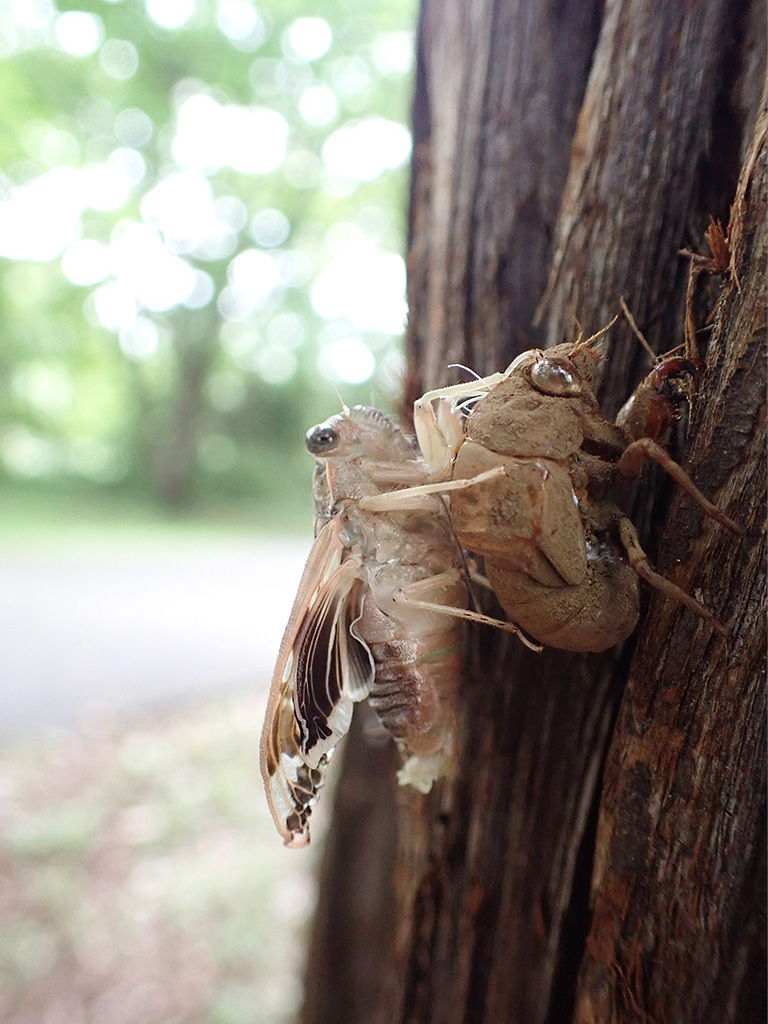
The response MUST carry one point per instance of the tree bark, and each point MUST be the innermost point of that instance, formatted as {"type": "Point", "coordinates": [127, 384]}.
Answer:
{"type": "Point", "coordinates": [678, 891]}
{"type": "Point", "coordinates": [600, 856]}
{"type": "Point", "coordinates": [353, 927]}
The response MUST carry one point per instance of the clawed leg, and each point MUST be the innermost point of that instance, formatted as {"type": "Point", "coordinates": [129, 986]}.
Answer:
{"type": "Point", "coordinates": [468, 388]}
{"type": "Point", "coordinates": [480, 580]}
{"type": "Point", "coordinates": [394, 474]}
{"type": "Point", "coordinates": [631, 465]}
{"type": "Point", "coordinates": [409, 596]}
{"type": "Point", "coordinates": [639, 562]}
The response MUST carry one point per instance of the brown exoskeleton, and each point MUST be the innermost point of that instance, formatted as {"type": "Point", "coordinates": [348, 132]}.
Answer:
{"type": "Point", "coordinates": [375, 616]}
{"type": "Point", "coordinates": [526, 476]}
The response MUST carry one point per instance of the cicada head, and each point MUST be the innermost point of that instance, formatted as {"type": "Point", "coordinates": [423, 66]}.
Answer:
{"type": "Point", "coordinates": [359, 432]}
{"type": "Point", "coordinates": [567, 370]}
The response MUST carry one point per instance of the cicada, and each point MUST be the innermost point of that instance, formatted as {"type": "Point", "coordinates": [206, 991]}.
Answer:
{"type": "Point", "coordinates": [376, 616]}
{"type": "Point", "coordinates": [527, 476]}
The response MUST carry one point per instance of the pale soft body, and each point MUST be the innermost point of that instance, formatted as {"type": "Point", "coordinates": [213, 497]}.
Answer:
{"type": "Point", "coordinates": [368, 621]}
{"type": "Point", "coordinates": [376, 611]}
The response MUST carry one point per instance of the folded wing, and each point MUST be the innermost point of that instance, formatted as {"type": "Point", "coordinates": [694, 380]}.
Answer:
{"type": "Point", "coordinates": [322, 668]}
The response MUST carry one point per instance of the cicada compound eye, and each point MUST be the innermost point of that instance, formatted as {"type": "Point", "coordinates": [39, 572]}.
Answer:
{"type": "Point", "coordinates": [321, 439]}
{"type": "Point", "coordinates": [555, 377]}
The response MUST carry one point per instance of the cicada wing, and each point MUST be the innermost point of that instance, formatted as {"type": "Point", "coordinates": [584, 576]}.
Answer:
{"type": "Point", "coordinates": [334, 666]}
{"type": "Point", "coordinates": [291, 786]}
{"type": "Point", "coordinates": [321, 669]}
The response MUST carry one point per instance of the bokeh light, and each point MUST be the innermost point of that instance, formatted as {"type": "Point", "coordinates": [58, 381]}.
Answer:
{"type": "Point", "coordinates": [231, 194]}
{"type": "Point", "coordinates": [364, 149]}
{"type": "Point", "coordinates": [348, 360]}
{"type": "Point", "coordinates": [202, 218]}
{"type": "Point", "coordinates": [78, 32]}
{"type": "Point", "coordinates": [119, 59]}
{"type": "Point", "coordinates": [170, 13]}
{"type": "Point", "coordinates": [309, 38]}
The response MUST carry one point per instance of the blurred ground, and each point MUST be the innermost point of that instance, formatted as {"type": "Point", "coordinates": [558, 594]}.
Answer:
{"type": "Point", "coordinates": [126, 625]}
{"type": "Point", "coordinates": [141, 878]}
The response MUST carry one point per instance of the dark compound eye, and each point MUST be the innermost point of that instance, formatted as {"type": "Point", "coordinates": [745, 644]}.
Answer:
{"type": "Point", "coordinates": [321, 439]}
{"type": "Point", "coordinates": [553, 377]}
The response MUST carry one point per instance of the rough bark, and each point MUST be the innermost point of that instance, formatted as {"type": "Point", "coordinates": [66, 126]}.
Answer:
{"type": "Point", "coordinates": [353, 926]}
{"type": "Point", "coordinates": [564, 154]}
{"type": "Point", "coordinates": [499, 88]}
{"type": "Point", "coordinates": [679, 881]}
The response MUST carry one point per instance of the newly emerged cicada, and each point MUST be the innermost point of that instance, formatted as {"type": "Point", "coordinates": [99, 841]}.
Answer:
{"type": "Point", "coordinates": [376, 616]}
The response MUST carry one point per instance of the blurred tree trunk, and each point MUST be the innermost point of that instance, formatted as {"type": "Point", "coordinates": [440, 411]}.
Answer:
{"type": "Point", "coordinates": [176, 427]}
{"type": "Point", "coordinates": [601, 855]}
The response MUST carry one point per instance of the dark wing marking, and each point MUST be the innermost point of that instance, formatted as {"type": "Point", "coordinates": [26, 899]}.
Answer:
{"type": "Point", "coordinates": [333, 667]}
{"type": "Point", "coordinates": [321, 668]}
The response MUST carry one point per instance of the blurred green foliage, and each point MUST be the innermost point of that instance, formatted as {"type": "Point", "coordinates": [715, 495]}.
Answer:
{"type": "Point", "coordinates": [202, 208]}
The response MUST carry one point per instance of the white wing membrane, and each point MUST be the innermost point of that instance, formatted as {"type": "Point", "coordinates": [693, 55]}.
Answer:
{"type": "Point", "coordinates": [328, 658]}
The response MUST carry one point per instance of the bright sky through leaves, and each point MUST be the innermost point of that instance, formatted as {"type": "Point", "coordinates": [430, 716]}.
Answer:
{"type": "Point", "coordinates": [216, 158]}
{"type": "Point", "coordinates": [42, 219]}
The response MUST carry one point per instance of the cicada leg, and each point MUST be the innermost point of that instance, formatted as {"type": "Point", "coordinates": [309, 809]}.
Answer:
{"type": "Point", "coordinates": [411, 596]}
{"type": "Point", "coordinates": [409, 497]}
{"type": "Point", "coordinates": [639, 561]}
{"type": "Point", "coordinates": [633, 459]}
{"type": "Point", "coordinates": [394, 474]}
{"type": "Point", "coordinates": [440, 433]}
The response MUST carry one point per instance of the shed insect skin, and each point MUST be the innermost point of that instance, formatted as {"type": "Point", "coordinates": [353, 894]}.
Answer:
{"type": "Point", "coordinates": [376, 615]}
{"type": "Point", "coordinates": [526, 479]}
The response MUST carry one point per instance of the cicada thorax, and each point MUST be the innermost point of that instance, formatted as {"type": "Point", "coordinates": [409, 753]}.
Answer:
{"type": "Point", "coordinates": [564, 562]}
{"type": "Point", "coordinates": [515, 419]}
{"type": "Point", "coordinates": [406, 556]}
{"type": "Point", "coordinates": [560, 578]}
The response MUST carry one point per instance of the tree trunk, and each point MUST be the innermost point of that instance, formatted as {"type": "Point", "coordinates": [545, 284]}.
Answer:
{"type": "Point", "coordinates": [601, 855]}
{"type": "Point", "coordinates": [176, 427]}
{"type": "Point", "coordinates": [354, 926]}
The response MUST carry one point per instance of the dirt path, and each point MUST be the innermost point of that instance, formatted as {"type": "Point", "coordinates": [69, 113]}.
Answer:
{"type": "Point", "coordinates": [123, 629]}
